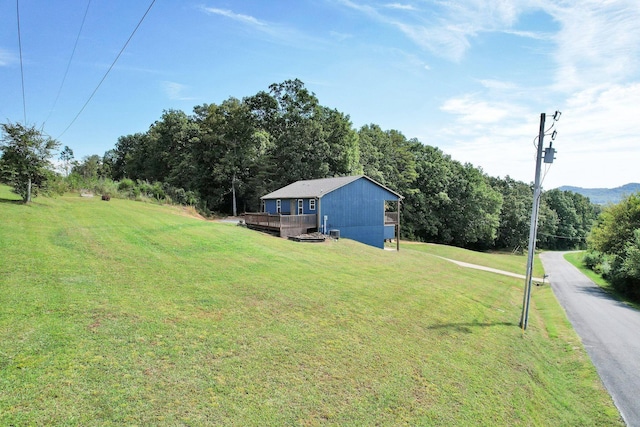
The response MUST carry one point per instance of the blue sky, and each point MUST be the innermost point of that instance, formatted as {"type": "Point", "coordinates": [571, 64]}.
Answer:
{"type": "Point", "coordinates": [470, 77]}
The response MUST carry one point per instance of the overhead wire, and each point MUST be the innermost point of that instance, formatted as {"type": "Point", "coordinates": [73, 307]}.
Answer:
{"type": "Point", "coordinates": [64, 78]}
{"type": "Point", "coordinates": [550, 127]}
{"type": "Point", "coordinates": [544, 175]}
{"type": "Point", "coordinates": [24, 99]}
{"type": "Point", "coordinates": [562, 237]}
{"type": "Point", "coordinates": [109, 70]}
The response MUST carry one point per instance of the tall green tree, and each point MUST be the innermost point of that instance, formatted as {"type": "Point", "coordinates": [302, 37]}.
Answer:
{"type": "Point", "coordinates": [169, 141]}
{"type": "Point", "coordinates": [129, 157]}
{"type": "Point", "coordinates": [90, 168]}
{"type": "Point", "coordinates": [230, 148]}
{"type": "Point", "coordinates": [307, 140]}
{"type": "Point", "coordinates": [387, 157]}
{"type": "Point", "coordinates": [576, 215]}
{"type": "Point", "coordinates": [473, 214]}
{"type": "Point", "coordinates": [25, 158]}
{"type": "Point", "coordinates": [423, 208]}
{"type": "Point", "coordinates": [616, 239]}
{"type": "Point", "coordinates": [66, 157]}
{"type": "Point", "coordinates": [515, 215]}
{"type": "Point", "coordinates": [616, 225]}
{"type": "Point", "coordinates": [451, 203]}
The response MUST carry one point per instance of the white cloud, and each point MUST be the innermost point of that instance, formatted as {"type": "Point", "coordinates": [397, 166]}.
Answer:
{"type": "Point", "coordinates": [604, 119]}
{"type": "Point", "coordinates": [597, 138]}
{"type": "Point", "coordinates": [498, 84]}
{"type": "Point", "coordinates": [400, 6]}
{"type": "Point", "coordinates": [529, 34]}
{"type": "Point", "coordinates": [245, 19]}
{"type": "Point", "coordinates": [175, 91]}
{"type": "Point", "coordinates": [368, 10]}
{"type": "Point", "coordinates": [275, 32]}
{"type": "Point", "coordinates": [594, 80]}
{"type": "Point", "coordinates": [598, 42]}
{"type": "Point", "coordinates": [340, 36]}
{"type": "Point", "coordinates": [450, 43]}
{"type": "Point", "coordinates": [472, 111]}
{"type": "Point", "coordinates": [445, 30]}
{"type": "Point", "coordinates": [6, 58]}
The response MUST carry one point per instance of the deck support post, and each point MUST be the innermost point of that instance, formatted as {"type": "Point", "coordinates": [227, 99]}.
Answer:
{"type": "Point", "coordinates": [398, 229]}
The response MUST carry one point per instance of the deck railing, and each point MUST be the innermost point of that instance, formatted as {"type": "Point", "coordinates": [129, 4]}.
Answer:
{"type": "Point", "coordinates": [279, 221]}
{"type": "Point", "coordinates": [390, 218]}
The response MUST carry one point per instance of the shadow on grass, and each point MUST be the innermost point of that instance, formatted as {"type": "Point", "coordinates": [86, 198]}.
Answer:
{"type": "Point", "coordinates": [466, 327]}
{"type": "Point", "coordinates": [11, 201]}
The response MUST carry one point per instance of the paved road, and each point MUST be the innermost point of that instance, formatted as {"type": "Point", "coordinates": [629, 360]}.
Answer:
{"type": "Point", "coordinates": [610, 332]}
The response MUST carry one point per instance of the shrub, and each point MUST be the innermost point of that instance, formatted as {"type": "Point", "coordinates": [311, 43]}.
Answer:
{"type": "Point", "coordinates": [144, 188]}
{"type": "Point", "coordinates": [157, 191]}
{"type": "Point", "coordinates": [55, 185]}
{"type": "Point", "coordinates": [105, 186]}
{"type": "Point", "coordinates": [126, 185]}
{"type": "Point", "coordinates": [591, 259]}
{"type": "Point", "coordinates": [74, 182]}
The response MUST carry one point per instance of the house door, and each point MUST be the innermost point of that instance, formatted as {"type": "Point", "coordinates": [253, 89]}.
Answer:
{"type": "Point", "coordinates": [300, 206]}
{"type": "Point", "coordinates": [292, 207]}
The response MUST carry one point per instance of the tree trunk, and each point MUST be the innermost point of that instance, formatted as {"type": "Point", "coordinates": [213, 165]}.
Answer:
{"type": "Point", "coordinates": [28, 198]}
{"type": "Point", "coordinates": [233, 192]}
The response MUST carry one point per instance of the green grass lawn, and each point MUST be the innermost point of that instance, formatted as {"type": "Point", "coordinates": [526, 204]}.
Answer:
{"type": "Point", "coordinates": [128, 313]}
{"type": "Point", "coordinates": [500, 260]}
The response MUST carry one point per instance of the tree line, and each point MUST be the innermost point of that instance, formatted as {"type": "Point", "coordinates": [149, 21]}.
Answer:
{"type": "Point", "coordinates": [224, 157]}
{"type": "Point", "coordinates": [614, 246]}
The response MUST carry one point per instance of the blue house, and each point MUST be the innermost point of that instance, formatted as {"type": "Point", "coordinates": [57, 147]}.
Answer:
{"type": "Point", "coordinates": [353, 207]}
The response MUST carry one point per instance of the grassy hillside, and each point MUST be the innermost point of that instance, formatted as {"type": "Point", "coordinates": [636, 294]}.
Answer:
{"type": "Point", "coordinates": [129, 313]}
{"type": "Point", "coordinates": [502, 260]}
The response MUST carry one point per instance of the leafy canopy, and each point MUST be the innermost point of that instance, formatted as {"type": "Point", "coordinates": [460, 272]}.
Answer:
{"type": "Point", "coordinates": [25, 158]}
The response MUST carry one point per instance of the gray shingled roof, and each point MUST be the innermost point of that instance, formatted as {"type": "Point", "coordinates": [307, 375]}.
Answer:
{"type": "Point", "coordinates": [316, 187]}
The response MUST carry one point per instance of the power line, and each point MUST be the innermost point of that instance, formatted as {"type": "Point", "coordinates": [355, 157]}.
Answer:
{"type": "Point", "coordinates": [109, 70]}
{"type": "Point", "coordinates": [24, 99]}
{"type": "Point", "coordinates": [562, 237]}
{"type": "Point", "coordinates": [69, 63]}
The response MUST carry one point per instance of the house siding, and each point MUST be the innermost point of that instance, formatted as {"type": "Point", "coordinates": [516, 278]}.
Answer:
{"type": "Point", "coordinates": [389, 231]}
{"type": "Point", "coordinates": [270, 206]}
{"type": "Point", "coordinates": [357, 210]}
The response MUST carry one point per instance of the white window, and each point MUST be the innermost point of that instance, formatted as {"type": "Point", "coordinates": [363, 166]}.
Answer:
{"type": "Point", "coordinates": [312, 204]}
{"type": "Point", "coordinates": [262, 206]}
{"type": "Point", "coordinates": [300, 206]}
{"type": "Point", "coordinates": [278, 206]}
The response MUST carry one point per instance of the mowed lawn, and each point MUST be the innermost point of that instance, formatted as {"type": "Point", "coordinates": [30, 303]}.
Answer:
{"type": "Point", "coordinates": [129, 313]}
{"type": "Point", "coordinates": [499, 260]}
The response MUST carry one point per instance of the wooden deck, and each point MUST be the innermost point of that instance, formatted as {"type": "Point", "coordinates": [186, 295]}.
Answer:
{"type": "Point", "coordinates": [294, 225]}
{"type": "Point", "coordinates": [283, 225]}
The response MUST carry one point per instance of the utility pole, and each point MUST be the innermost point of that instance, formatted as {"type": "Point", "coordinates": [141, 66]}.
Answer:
{"type": "Point", "coordinates": [533, 230]}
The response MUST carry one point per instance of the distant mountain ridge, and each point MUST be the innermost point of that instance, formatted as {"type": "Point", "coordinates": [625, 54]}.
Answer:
{"type": "Point", "coordinates": [602, 196]}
